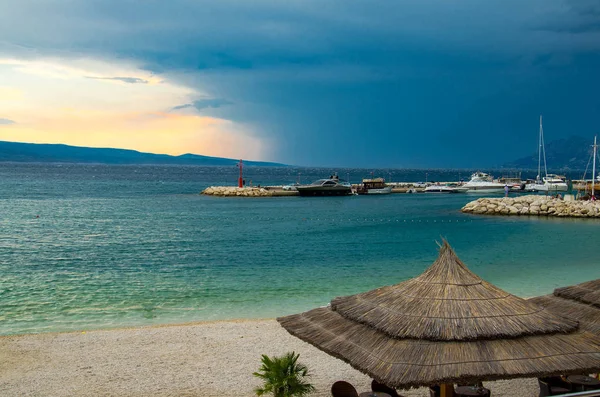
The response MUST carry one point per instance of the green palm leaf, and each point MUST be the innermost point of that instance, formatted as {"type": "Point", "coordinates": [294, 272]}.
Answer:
{"type": "Point", "coordinates": [283, 376]}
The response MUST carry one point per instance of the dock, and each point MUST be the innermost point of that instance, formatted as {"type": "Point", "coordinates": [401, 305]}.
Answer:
{"type": "Point", "coordinates": [279, 191]}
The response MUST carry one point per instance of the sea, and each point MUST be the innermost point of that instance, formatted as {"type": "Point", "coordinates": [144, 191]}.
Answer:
{"type": "Point", "coordinates": [105, 246]}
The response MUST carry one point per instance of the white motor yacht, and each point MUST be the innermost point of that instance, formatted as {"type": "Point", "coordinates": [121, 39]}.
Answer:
{"type": "Point", "coordinates": [483, 183]}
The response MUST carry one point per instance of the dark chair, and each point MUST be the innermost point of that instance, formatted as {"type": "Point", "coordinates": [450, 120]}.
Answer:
{"type": "Point", "coordinates": [343, 389]}
{"type": "Point", "coordinates": [478, 384]}
{"type": "Point", "coordinates": [484, 391]}
{"type": "Point", "coordinates": [434, 391]}
{"type": "Point", "coordinates": [553, 387]}
{"type": "Point", "coordinates": [376, 386]}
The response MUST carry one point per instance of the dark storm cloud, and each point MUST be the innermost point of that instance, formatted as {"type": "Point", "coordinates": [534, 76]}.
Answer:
{"type": "Point", "coordinates": [406, 83]}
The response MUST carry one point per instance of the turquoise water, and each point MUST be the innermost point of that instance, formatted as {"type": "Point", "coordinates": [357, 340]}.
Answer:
{"type": "Point", "coordinates": [119, 245]}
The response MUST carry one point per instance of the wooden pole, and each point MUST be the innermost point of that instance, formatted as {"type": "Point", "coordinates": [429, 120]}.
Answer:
{"type": "Point", "coordinates": [446, 390]}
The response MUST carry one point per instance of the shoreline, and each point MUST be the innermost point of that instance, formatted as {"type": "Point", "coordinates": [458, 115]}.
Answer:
{"type": "Point", "coordinates": [136, 327]}
{"type": "Point", "coordinates": [203, 359]}
{"type": "Point", "coordinates": [239, 320]}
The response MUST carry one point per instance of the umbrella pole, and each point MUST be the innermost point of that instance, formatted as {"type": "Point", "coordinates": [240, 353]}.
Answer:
{"type": "Point", "coordinates": [446, 390]}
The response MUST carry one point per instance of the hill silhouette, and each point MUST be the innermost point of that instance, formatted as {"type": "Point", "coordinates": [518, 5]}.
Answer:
{"type": "Point", "coordinates": [56, 153]}
{"type": "Point", "coordinates": [572, 153]}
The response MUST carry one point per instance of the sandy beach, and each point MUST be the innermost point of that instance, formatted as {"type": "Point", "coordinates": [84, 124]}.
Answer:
{"type": "Point", "coordinates": [201, 359]}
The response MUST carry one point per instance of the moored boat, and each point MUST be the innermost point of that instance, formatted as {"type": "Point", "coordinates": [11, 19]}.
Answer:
{"type": "Point", "coordinates": [551, 182]}
{"type": "Point", "coordinates": [333, 186]}
{"type": "Point", "coordinates": [483, 183]}
{"type": "Point", "coordinates": [373, 186]}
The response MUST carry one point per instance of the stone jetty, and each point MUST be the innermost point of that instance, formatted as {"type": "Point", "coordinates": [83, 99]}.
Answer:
{"type": "Point", "coordinates": [534, 205]}
{"type": "Point", "coordinates": [232, 191]}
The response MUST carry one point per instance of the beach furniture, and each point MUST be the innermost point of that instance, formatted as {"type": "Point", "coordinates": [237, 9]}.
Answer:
{"type": "Point", "coordinates": [583, 382]}
{"type": "Point", "coordinates": [376, 386]}
{"type": "Point", "coordinates": [472, 391]}
{"type": "Point", "coordinates": [447, 326]}
{"type": "Point", "coordinates": [553, 386]}
{"type": "Point", "coordinates": [343, 389]}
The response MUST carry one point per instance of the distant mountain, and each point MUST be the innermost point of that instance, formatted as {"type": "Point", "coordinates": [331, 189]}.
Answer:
{"type": "Point", "coordinates": [571, 153]}
{"type": "Point", "coordinates": [50, 153]}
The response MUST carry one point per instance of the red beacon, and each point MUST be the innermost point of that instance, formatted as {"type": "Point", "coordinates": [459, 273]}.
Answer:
{"type": "Point", "coordinates": [240, 179]}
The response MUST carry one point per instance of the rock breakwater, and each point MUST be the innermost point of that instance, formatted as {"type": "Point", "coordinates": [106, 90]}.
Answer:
{"type": "Point", "coordinates": [230, 191]}
{"type": "Point", "coordinates": [534, 205]}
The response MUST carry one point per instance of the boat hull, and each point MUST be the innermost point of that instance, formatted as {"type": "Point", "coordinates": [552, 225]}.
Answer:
{"type": "Point", "coordinates": [485, 191]}
{"type": "Point", "coordinates": [551, 188]}
{"type": "Point", "coordinates": [558, 187]}
{"type": "Point", "coordinates": [384, 190]}
{"type": "Point", "coordinates": [448, 190]}
{"type": "Point", "coordinates": [485, 188]}
{"type": "Point", "coordinates": [323, 191]}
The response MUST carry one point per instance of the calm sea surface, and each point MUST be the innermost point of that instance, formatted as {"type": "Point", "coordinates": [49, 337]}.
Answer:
{"type": "Point", "coordinates": [84, 246]}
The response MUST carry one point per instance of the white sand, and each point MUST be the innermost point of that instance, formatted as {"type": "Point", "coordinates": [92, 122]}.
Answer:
{"type": "Point", "coordinates": [206, 359]}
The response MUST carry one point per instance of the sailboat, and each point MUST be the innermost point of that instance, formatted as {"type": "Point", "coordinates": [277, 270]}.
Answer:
{"type": "Point", "coordinates": [595, 178]}
{"type": "Point", "coordinates": [594, 171]}
{"type": "Point", "coordinates": [551, 182]}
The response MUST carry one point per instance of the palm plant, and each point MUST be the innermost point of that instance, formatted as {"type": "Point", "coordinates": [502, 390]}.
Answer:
{"type": "Point", "coordinates": [283, 376]}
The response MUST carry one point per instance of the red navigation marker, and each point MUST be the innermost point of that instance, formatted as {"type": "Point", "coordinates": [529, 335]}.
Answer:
{"type": "Point", "coordinates": [240, 179]}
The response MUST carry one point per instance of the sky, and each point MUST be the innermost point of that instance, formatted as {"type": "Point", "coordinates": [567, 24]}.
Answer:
{"type": "Point", "coordinates": [379, 83]}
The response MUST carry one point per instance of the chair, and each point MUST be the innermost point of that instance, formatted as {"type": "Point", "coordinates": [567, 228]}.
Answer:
{"type": "Point", "coordinates": [478, 384]}
{"type": "Point", "coordinates": [376, 386]}
{"type": "Point", "coordinates": [343, 389]}
{"type": "Point", "coordinates": [485, 391]}
{"type": "Point", "coordinates": [553, 387]}
{"type": "Point", "coordinates": [434, 391]}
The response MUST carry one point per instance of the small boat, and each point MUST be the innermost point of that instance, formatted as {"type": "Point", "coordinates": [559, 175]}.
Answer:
{"type": "Point", "coordinates": [446, 189]}
{"type": "Point", "coordinates": [483, 183]}
{"type": "Point", "coordinates": [517, 187]}
{"type": "Point", "coordinates": [333, 186]}
{"type": "Point", "coordinates": [550, 183]}
{"type": "Point", "coordinates": [373, 186]}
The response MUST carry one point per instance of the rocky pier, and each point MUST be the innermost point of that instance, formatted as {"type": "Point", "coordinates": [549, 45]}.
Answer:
{"type": "Point", "coordinates": [534, 205]}
{"type": "Point", "coordinates": [231, 191]}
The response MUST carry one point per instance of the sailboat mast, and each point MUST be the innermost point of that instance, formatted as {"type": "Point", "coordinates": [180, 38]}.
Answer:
{"type": "Point", "coordinates": [594, 167]}
{"type": "Point", "coordinates": [540, 152]}
{"type": "Point", "coordinates": [543, 147]}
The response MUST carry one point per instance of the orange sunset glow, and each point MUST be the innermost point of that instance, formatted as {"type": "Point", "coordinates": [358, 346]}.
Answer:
{"type": "Point", "coordinates": [90, 103]}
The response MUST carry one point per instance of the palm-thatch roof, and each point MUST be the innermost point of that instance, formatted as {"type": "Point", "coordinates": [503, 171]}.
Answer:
{"type": "Point", "coordinates": [580, 302]}
{"type": "Point", "coordinates": [446, 326]}
{"type": "Point", "coordinates": [588, 292]}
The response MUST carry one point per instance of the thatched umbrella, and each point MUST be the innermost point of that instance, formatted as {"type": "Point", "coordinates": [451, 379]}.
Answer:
{"type": "Point", "coordinates": [580, 302]}
{"type": "Point", "coordinates": [446, 326]}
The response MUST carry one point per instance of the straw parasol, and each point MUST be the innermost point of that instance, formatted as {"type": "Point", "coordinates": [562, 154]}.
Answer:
{"type": "Point", "coordinates": [446, 326]}
{"type": "Point", "coordinates": [580, 302]}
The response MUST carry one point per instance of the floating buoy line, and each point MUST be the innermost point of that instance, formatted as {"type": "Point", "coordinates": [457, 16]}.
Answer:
{"type": "Point", "coordinates": [373, 220]}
